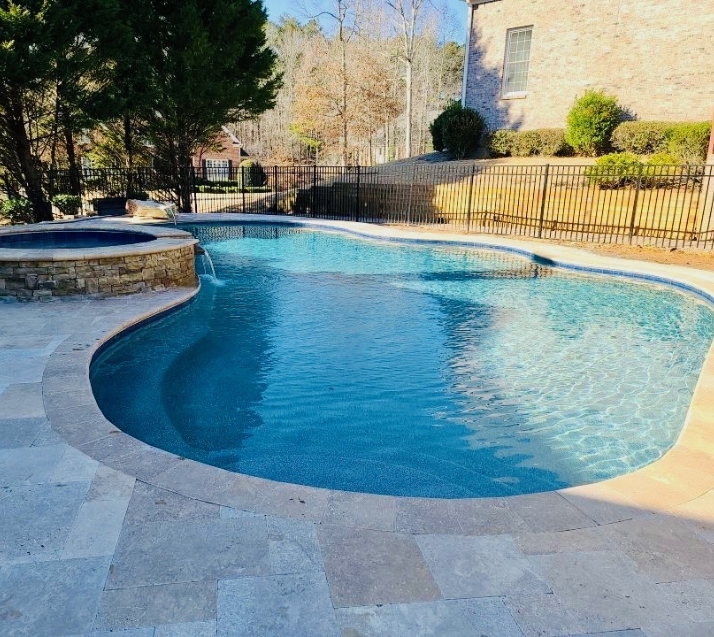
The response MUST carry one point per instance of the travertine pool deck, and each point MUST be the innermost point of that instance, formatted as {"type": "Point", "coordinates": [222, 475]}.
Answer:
{"type": "Point", "coordinates": [101, 534]}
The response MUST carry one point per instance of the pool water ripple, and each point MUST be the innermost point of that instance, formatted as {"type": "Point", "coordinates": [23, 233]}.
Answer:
{"type": "Point", "coordinates": [409, 370]}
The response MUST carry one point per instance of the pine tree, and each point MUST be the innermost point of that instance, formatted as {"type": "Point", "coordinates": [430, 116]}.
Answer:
{"type": "Point", "coordinates": [210, 65]}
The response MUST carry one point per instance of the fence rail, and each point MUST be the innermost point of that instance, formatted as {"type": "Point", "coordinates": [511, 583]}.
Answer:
{"type": "Point", "coordinates": [663, 205]}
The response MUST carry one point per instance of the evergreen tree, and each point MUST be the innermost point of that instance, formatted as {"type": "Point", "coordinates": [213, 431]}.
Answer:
{"type": "Point", "coordinates": [210, 65]}
{"type": "Point", "coordinates": [50, 74]}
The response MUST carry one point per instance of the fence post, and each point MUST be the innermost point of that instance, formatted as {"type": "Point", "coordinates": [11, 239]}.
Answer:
{"type": "Point", "coordinates": [357, 202]}
{"type": "Point", "coordinates": [242, 185]}
{"type": "Point", "coordinates": [470, 198]}
{"type": "Point", "coordinates": [707, 199]}
{"type": "Point", "coordinates": [408, 219]}
{"type": "Point", "coordinates": [194, 188]}
{"type": "Point", "coordinates": [313, 212]}
{"type": "Point", "coordinates": [543, 201]}
{"type": "Point", "coordinates": [275, 187]}
{"type": "Point", "coordinates": [634, 205]}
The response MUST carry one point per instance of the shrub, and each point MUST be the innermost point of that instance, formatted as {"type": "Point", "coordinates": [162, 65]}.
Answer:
{"type": "Point", "coordinates": [689, 142]}
{"type": "Point", "coordinates": [662, 170]}
{"type": "Point", "coordinates": [252, 173]}
{"type": "Point", "coordinates": [436, 128]}
{"type": "Point", "coordinates": [641, 138]}
{"type": "Point", "coordinates": [547, 142]}
{"type": "Point", "coordinates": [526, 143]}
{"type": "Point", "coordinates": [462, 132]}
{"type": "Point", "coordinates": [500, 142]}
{"type": "Point", "coordinates": [591, 121]}
{"type": "Point", "coordinates": [67, 204]}
{"type": "Point", "coordinates": [615, 170]}
{"type": "Point", "coordinates": [686, 141]}
{"type": "Point", "coordinates": [553, 143]}
{"type": "Point", "coordinates": [17, 210]}
{"type": "Point", "coordinates": [139, 195]}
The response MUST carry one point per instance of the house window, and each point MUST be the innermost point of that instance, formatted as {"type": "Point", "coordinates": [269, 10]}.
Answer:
{"type": "Point", "coordinates": [217, 169]}
{"type": "Point", "coordinates": [518, 55]}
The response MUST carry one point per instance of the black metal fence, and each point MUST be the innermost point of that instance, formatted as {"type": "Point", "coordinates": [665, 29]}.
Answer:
{"type": "Point", "coordinates": [662, 205]}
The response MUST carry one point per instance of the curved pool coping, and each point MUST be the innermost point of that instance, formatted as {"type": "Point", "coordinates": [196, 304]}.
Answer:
{"type": "Point", "coordinates": [683, 474]}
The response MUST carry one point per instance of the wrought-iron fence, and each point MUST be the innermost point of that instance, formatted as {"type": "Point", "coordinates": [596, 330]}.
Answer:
{"type": "Point", "coordinates": [662, 205]}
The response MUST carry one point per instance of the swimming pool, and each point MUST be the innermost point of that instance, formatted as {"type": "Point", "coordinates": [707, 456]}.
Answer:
{"type": "Point", "coordinates": [402, 369]}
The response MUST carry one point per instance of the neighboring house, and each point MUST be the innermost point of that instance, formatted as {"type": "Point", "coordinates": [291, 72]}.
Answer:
{"type": "Point", "coordinates": [528, 60]}
{"type": "Point", "coordinates": [217, 162]}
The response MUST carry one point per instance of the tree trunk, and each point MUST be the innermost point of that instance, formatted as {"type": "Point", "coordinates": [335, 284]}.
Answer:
{"type": "Point", "coordinates": [128, 136]}
{"type": "Point", "coordinates": [343, 62]}
{"type": "Point", "coordinates": [184, 177]}
{"type": "Point", "coordinates": [75, 187]}
{"type": "Point", "coordinates": [31, 176]}
{"type": "Point", "coordinates": [410, 108]}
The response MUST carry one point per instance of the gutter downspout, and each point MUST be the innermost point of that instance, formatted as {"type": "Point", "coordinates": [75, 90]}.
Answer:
{"type": "Point", "coordinates": [467, 54]}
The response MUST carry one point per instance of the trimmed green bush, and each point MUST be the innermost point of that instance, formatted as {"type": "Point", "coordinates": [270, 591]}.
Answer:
{"type": "Point", "coordinates": [436, 128]}
{"type": "Point", "coordinates": [252, 174]}
{"type": "Point", "coordinates": [17, 210]}
{"type": "Point", "coordinates": [615, 170]}
{"type": "Point", "coordinates": [553, 143]}
{"type": "Point", "coordinates": [641, 138]}
{"type": "Point", "coordinates": [462, 132]}
{"type": "Point", "coordinates": [526, 143]}
{"type": "Point", "coordinates": [67, 204]}
{"type": "Point", "coordinates": [662, 170]}
{"type": "Point", "coordinates": [547, 142]}
{"type": "Point", "coordinates": [689, 141]}
{"type": "Point", "coordinates": [591, 122]}
{"type": "Point", "coordinates": [500, 142]}
{"type": "Point", "coordinates": [686, 141]}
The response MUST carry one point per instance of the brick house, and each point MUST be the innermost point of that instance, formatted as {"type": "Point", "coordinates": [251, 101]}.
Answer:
{"type": "Point", "coordinates": [528, 60]}
{"type": "Point", "coordinates": [217, 161]}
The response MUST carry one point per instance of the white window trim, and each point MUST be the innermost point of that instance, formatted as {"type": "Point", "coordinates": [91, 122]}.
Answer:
{"type": "Point", "coordinates": [515, 95]}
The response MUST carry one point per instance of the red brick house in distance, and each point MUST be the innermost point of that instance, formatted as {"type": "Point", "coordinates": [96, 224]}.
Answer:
{"type": "Point", "coordinates": [216, 162]}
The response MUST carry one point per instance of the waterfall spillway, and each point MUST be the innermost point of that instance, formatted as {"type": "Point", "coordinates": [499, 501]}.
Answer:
{"type": "Point", "coordinates": [209, 271]}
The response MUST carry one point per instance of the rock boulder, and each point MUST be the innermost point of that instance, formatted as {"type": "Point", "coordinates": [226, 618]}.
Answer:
{"type": "Point", "coordinates": [150, 209]}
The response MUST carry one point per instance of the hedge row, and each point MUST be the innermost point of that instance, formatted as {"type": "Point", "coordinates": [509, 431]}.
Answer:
{"type": "Point", "coordinates": [542, 141]}
{"type": "Point", "coordinates": [660, 170]}
{"type": "Point", "coordinates": [681, 142]}
{"type": "Point", "coordinates": [686, 141]}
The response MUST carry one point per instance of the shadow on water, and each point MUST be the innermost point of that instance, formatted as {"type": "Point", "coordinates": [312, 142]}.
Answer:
{"type": "Point", "coordinates": [211, 389]}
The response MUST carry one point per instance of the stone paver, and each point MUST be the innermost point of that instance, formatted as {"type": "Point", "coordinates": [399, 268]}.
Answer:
{"type": "Point", "coordinates": [479, 566]}
{"type": "Point", "coordinates": [152, 605]}
{"type": "Point", "coordinates": [296, 605]}
{"type": "Point", "coordinates": [606, 590]}
{"type": "Point", "coordinates": [455, 618]}
{"type": "Point", "coordinates": [373, 567]}
{"type": "Point", "coordinates": [48, 599]}
{"type": "Point", "coordinates": [169, 552]}
{"type": "Point", "coordinates": [101, 535]}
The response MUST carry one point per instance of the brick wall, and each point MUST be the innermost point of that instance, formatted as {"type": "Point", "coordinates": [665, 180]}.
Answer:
{"type": "Point", "coordinates": [103, 277]}
{"type": "Point", "coordinates": [656, 56]}
{"type": "Point", "coordinates": [225, 149]}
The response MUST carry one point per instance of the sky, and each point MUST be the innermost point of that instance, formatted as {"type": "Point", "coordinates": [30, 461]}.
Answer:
{"type": "Point", "coordinates": [276, 8]}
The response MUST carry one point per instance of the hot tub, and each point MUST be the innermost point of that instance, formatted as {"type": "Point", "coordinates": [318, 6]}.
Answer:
{"type": "Point", "coordinates": [93, 259]}
{"type": "Point", "coordinates": [72, 239]}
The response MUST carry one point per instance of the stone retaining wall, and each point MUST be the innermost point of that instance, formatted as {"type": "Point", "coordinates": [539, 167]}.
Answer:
{"type": "Point", "coordinates": [100, 277]}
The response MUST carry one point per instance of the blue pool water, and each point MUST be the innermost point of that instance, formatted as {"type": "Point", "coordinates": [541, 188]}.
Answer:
{"type": "Point", "coordinates": [71, 239]}
{"type": "Point", "coordinates": [401, 369]}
